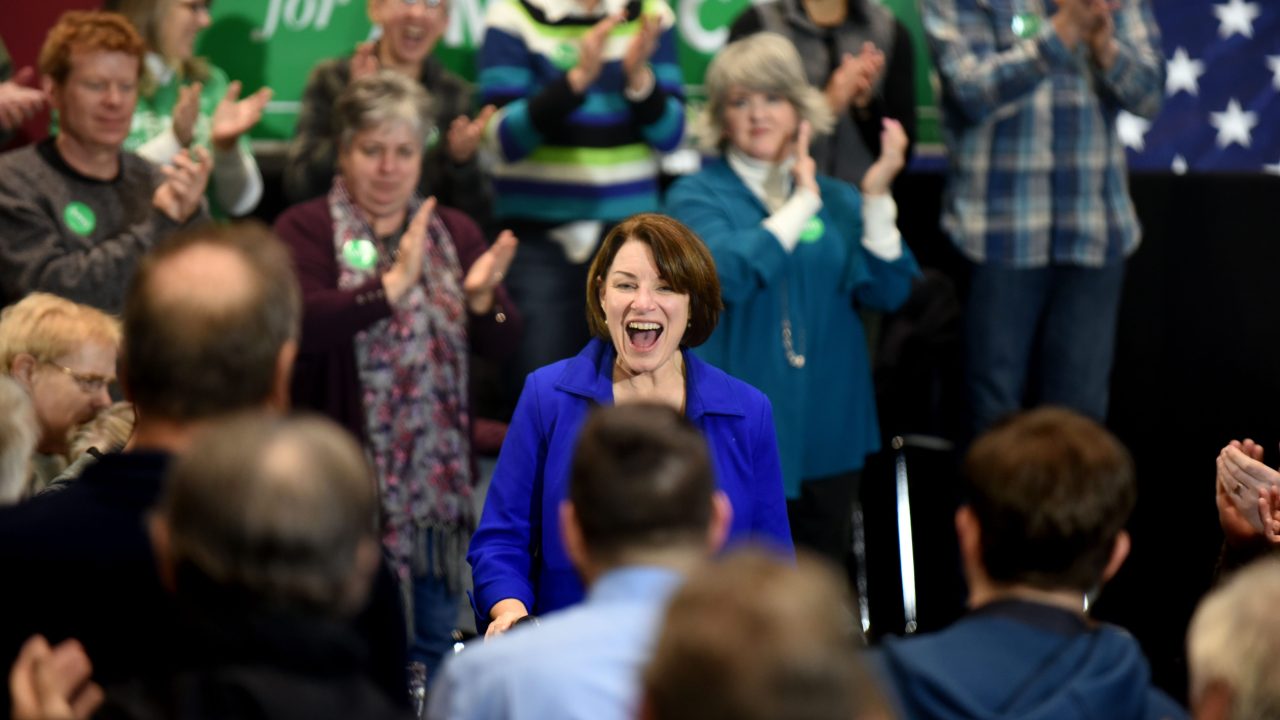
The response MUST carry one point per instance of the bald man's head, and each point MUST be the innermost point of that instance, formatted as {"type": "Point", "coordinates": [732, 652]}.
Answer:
{"type": "Point", "coordinates": [210, 322]}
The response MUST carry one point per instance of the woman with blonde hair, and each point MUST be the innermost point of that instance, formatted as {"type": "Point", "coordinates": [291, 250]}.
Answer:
{"type": "Point", "coordinates": [184, 100]}
{"type": "Point", "coordinates": [798, 254]}
{"type": "Point", "coordinates": [64, 355]}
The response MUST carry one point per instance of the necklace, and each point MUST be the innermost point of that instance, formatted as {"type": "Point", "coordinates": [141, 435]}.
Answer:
{"type": "Point", "coordinates": [794, 359]}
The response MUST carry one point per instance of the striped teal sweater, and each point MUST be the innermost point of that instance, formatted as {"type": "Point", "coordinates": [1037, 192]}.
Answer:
{"type": "Point", "coordinates": [565, 156]}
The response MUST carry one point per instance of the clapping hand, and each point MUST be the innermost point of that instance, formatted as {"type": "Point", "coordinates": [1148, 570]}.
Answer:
{"type": "Point", "coordinates": [234, 116]}
{"type": "Point", "coordinates": [364, 62]}
{"type": "Point", "coordinates": [465, 134]}
{"type": "Point", "coordinates": [591, 53]}
{"type": "Point", "coordinates": [178, 197]}
{"type": "Point", "coordinates": [805, 170]}
{"type": "Point", "coordinates": [53, 683]}
{"type": "Point", "coordinates": [19, 103]}
{"type": "Point", "coordinates": [635, 63]}
{"type": "Point", "coordinates": [893, 157]}
{"type": "Point", "coordinates": [406, 270]}
{"type": "Point", "coordinates": [185, 112]}
{"type": "Point", "coordinates": [488, 271]}
{"type": "Point", "coordinates": [853, 82]}
{"type": "Point", "coordinates": [1248, 494]}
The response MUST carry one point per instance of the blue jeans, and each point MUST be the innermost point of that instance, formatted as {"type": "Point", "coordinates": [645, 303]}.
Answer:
{"type": "Point", "coordinates": [435, 614]}
{"type": "Point", "coordinates": [550, 292]}
{"type": "Point", "coordinates": [1063, 318]}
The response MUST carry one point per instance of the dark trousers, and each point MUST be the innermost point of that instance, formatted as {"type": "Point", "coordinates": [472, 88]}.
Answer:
{"type": "Point", "coordinates": [822, 517]}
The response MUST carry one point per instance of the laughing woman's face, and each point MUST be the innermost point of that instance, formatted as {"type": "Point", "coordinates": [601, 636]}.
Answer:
{"type": "Point", "coordinates": [645, 316]}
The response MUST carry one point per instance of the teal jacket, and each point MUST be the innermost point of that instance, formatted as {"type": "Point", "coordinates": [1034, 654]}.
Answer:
{"type": "Point", "coordinates": [825, 412]}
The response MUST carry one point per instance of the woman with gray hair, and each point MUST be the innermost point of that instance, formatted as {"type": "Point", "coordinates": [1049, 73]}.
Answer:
{"type": "Point", "coordinates": [798, 253]}
{"type": "Point", "coordinates": [396, 292]}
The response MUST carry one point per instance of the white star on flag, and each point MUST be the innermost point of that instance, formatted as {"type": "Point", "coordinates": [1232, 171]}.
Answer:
{"type": "Point", "coordinates": [1236, 16]}
{"type": "Point", "coordinates": [1131, 130]}
{"type": "Point", "coordinates": [1179, 165]}
{"type": "Point", "coordinates": [1272, 169]}
{"type": "Point", "coordinates": [1234, 124]}
{"type": "Point", "coordinates": [1273, 62]}
{"type": "Point", "coordinates": [1183, 74]}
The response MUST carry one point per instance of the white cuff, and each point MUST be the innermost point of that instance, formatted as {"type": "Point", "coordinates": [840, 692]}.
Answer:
{"type": "Point", "coordinates": [789, 220]}
{"type": "Point", "coordinates": [880, 234]}
{"type": "Point", "coordinates": [161, 149]}
{"type": "Point", "coordinates": [237, 182]}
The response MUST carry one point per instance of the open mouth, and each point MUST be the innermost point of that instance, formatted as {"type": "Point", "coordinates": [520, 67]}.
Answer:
{"type": "Point", "coordinates": [643, 335]}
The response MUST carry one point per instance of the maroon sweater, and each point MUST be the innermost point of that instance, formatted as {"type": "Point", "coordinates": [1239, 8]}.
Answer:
{"type": "Point", "coordinates": [325, 377]}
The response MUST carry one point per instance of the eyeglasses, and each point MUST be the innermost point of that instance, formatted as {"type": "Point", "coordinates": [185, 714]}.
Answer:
{"type": "Point", "coordinates": [88, 382]}
{"type": "Point", "coordinates": [428, 4]}
{"type": "Point", "coordinates": [196, 6]}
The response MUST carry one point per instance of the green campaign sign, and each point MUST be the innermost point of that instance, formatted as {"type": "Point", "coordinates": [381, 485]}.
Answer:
{"type": "Point", "coordinates": [276, 43]}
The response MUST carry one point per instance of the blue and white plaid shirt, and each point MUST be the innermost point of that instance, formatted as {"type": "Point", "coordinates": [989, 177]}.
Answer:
{"type": "Point", "coordinates": [1037, 173]}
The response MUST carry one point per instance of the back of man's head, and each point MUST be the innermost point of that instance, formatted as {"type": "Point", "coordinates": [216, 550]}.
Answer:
{"type": "Point", "coordinates": [283, 510]}
{"type": "Point", "coordinates": [1051, 491]}
{"type": "Point", "coordinates": [207, 319]}
{"type": "Point", "coordinates": [1233, 647]}
{"type": "Point", "coordinates": [755, 637]}
{"type": "Point", "coordinates": [641, 480]}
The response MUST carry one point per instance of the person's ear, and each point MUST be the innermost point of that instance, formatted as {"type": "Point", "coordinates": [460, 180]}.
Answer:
{"type": "Point", "coordinates": [969, 535]}
{"type": "Point", "coordinates": [279, 399]}
{"type": "Point", "coordinates": [1214, 702]}
{"type": "Point", "coordinates": [575, 545]}
{"type": "Point", "coordinates": [22, 368]}
{"type": "Point", "coordinates": [721, 521]}
{"type": "Point", "coordinates": [368, 555]}
{"type": "Point", "coordinates": [1119, 552]}
{"type": "Point", "coordinates": [162, 549]}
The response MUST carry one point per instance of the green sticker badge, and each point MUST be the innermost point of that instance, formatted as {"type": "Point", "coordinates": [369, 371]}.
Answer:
{"type": "Point", "coordinates": [80, 218]}
{"type": "Point", "coordinates": [813, 230]}
{"type": "Point", "coordinates": [360, 254]}
{"type": "Point", "coordinates": [565, 56]}
{"type": "Point", "coordinates": [1025, 25]}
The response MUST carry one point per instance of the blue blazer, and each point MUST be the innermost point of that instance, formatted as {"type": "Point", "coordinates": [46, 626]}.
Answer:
{"type": "Point", "coordinates": [735, 418]}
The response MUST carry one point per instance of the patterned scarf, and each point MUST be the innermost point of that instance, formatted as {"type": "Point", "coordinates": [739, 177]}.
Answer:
{"type": "Point", "coordinates": [413, 380]}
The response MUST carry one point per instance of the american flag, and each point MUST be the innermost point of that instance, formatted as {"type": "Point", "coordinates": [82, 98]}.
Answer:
{"type": "Point", "coordinates": [1222, 97]}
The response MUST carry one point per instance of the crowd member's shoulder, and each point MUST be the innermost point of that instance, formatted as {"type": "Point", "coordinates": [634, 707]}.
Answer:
{"type": "Point", "coordinates": [307, 220]}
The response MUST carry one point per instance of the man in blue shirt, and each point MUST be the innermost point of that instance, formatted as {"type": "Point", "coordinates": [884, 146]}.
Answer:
{"type": "Point", "coordinates": [1049, 493]}
{"type": "Point", "coordinates": [1037, 195]}
{"type": "Point", "coordinates": [642, 511]}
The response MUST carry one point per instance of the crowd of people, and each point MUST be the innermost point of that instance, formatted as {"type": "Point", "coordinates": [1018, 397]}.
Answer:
{"type": "Point", "coordinates": [239, 466]}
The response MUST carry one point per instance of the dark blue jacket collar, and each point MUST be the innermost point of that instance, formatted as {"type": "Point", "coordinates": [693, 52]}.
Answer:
{"type": "Point", "coordinates": [589, 375]}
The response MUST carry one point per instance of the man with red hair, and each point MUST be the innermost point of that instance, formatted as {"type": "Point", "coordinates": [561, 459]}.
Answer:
{"type": "Point", "coordinates": [76, 211]}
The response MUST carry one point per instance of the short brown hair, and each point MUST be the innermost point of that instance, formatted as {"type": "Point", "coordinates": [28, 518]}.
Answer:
{"type": "Point", "coordinates": [186, 358]}
{"type": "Point", "coordinates": [1051, 491]}
{"type": "Point", "coordinates": [683, 261]}
{"type": "Point", "coordinates": [755, 637]}
{"type": "Point", "coordinates": [87, 31]}
{"type": "Point", "coordinates": [641, 479]}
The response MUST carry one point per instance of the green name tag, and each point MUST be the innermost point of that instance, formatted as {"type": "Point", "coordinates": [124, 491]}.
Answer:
{"type": "Point", "coordinates": [565, 56]}
{"type": "Point", "coordinates": [360, 254]}
{"type": "Point", "coordinates": [80, 218]}
{"type": "Point", "coordinates": [1025, 25]}
{"type": "Point", "coordinates": [813, 230]}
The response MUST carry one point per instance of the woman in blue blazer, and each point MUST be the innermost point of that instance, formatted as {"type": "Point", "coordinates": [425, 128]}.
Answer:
{"type": "Point", "coordinates": [798, 255]}
{"type": "Point", "coordinates": [652, 293]}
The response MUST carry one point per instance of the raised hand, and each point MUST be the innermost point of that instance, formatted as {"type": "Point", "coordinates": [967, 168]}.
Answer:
{"type": "Point", "coordinates": [364, 62]}
{"type": "Point", "coordinates": [185, 112]}
{"type": "Point", "coordinates": [805, 170]}
{"type": "Point", "coordinates": [893, 157]}
{"type": "Point", "coordinates": [635, 63]}
{"type": "Point", "coordinates": [53, 683]}
{"type": "Point", "coordinates": [233, 117]}
{"type": "Point", "coordinates": [178, 197]}
{"type": "Point", "coordinates": [487, 272]}
{"type": "Point", "coordinates": [870, 64]}
{"type": "Point", "coordinates": [504, 614]}
{"type": "Point", "coordinates": [406, 270]}
{"type": "Point", "coordinates": [1100, 32]}
{"type": "Point", "coordinates": [465, 134]}
{"type": "Point", "coordinates": [18, 102]}
{"type": "Point", "coordinates": [591, 53]}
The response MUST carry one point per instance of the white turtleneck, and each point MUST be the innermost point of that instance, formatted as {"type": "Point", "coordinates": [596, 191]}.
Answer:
{"type": "Point", "coordinates": [772, 183]}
